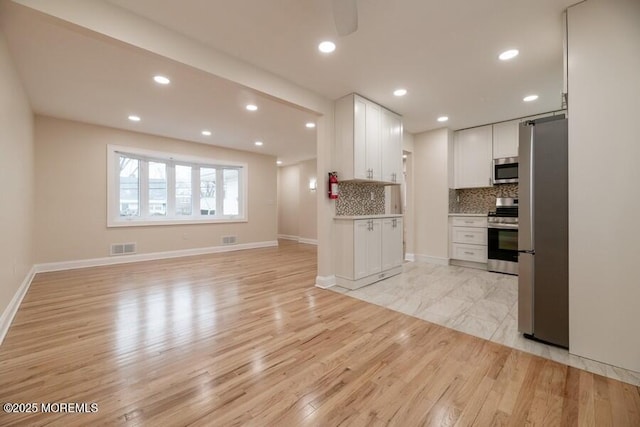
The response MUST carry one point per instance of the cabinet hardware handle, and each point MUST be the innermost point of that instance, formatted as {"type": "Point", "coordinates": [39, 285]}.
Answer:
{"type": "Point", "coordinates": [468, 235]}
{"type": "Point", "coordinates": [468, 222]}
{"type": "Point", "coordinates": [469, 253]}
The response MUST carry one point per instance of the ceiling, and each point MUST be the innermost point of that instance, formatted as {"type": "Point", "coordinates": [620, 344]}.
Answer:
{"type": "Point", "coordinates": [443, 53]}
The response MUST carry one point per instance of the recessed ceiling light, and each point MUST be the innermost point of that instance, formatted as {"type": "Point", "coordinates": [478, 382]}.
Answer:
{"type": "Point", "coordinates": [252, 107]}
{"type": "Point", "coordinates": [279, 162]}
{"type": "Point", "coordinates": [508, 54]}
{"type": "Point", "coordinates": [206, 132]}
{"type": "Point", "coordinates": [443, 118]}
{"type": "Point", "coordinates": [162, 80]}
{"type": "Point", "coordinates": [530, 98]}
{"type": "Point", "coordinates": [400, 92]}
{"type": "Point", "coordinates": [404, 156]}
{"type": "Point", "coordinates": [310, 125]}
{"type": "Point", "coordinates": [327, 47]}
{"type": "Point", "coordinates": [134, 118]}
{"type": "Point", "coordinates": [258, 143]}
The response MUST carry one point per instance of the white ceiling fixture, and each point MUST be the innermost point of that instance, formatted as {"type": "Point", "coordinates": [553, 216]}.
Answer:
{"type": "Point", "coordinates": [400, 92]}
{"type": "Point", "coordinates": [508, 54]}
{"type": "Point", "coordinates": [258, 143]}
{"type": "Point", "coordinates": [327, 47]}
{"type": "Point", "coordinates": [251, 107]}
{"type": "Point", "coordinates": [161, 80]}
{"type": "Point", "coordinates": [443, 118]}
{"type": "Point", "coordinates": [279, 162]}
{"type": "Point", "coordinates": [310, 125]}
{"type": "Point", "coordinates": [206, 132]}
{"type": "Point", "coordinates": [345, 16]}
{"type": "Point", "coordinates": [530, 98]}
{"type": "Point", "coordinates": [134, 118]}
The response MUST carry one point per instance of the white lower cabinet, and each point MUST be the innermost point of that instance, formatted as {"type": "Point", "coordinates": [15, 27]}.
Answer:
{"type": "Point", "coordinates": [468, 240]}
{"type": "Point", "coordinates": [367, 250]}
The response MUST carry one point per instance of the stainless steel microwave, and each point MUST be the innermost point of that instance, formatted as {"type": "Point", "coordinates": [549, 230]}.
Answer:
{"type": "Point", "coordinates": [505, 170]}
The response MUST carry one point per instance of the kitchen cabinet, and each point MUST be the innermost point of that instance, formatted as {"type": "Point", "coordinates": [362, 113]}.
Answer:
{"type": "Point", "coordinates": [391, 140]}
{"type": "Point", "coordinates": [367, 247]}
{"type": "Point", "coordinates": [368, 141]}
{"type": "Point", "coordinates": [472, 157]}
{"type": "Point", "coordinates": [505, 139]}
{"type": "Point", "coordinates": [367, 250]}
{"type": "Point", "coordinates": [468, 240]}
{"type": "Point", "coordinates": [392, 255]}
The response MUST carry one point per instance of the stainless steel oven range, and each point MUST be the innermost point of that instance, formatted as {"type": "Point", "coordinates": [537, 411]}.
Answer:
{"type": "Point", "coordinates": [502, 237]}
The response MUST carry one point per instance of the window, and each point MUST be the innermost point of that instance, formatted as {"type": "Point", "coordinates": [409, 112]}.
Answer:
{"type": "Point", "coordinates": [147, 188]}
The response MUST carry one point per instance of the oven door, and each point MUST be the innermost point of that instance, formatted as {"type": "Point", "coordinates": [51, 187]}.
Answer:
{"type": "Point", "coordinates": [503, 248]}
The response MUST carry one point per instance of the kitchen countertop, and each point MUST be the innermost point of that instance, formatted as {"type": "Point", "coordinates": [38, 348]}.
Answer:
{"type": "Point", "coordinates": [467, 214]}
{"type": "Point", "coordinates": [352, 217]}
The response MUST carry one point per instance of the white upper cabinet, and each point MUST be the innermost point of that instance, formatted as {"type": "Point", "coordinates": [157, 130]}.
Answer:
{"type": "Point", "coordinates": [368, 141]}
{"type": "Point", "coordinates": [391, 147]}
{"type": "Point", "coordinates": [472, 152]}
{"type": "Point", "coordinates": [505, 139]}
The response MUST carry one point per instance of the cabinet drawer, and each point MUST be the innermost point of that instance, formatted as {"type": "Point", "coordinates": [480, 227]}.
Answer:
{"type": "Point", "coordinates": [469, 235]}
{"type": "Point", "coordinates": [469, 221]}
{"type": "Point", "coordinates": [469, 252]}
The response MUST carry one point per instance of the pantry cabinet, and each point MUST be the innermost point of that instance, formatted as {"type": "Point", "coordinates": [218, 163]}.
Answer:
{"type": "Point", "coordinates": [368, 141]}
{"type": "Point", "coordinates": [367, 249]}
{"type": "Point", "coordinates": [472, 153]}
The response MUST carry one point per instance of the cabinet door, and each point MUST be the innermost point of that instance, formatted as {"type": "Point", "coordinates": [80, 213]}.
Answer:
{"type": "Point", "coordinates": [361, 230]}
{"type": "Point", "coordinates": [373, 143]}
{"type": "Point", "coordinates": [359, 139]}
{"type": "Point", "coordinates": [391, 147]}
{"type": "Point", "coordinates": [374, 247]}
{"type": "Point", "coordinates": [391, 243]}
{"type": "Point", "coordinates": [473, 157]}
{"type": "Point", "coordinates": [505, 139]}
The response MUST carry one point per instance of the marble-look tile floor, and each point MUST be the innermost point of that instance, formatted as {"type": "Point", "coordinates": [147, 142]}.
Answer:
{"type": "Point", "coordinates": [473, 301]}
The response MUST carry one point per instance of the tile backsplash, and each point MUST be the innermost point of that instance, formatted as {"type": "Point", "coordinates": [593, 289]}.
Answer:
{"type": "Point", "coordinates": [355, 199]}
{"type": "Point", "coordinates": [479, 200]}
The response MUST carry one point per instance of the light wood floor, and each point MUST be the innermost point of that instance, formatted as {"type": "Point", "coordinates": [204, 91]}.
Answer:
{"type": "Point", "coordinates": [245, 338]}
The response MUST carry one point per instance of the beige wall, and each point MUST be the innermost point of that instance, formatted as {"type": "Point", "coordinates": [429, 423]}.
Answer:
{"type": "Point", "coordinates": [604, 177]}
{"type": "Point", "coordinates": [297, 205]}
{"type": "Point", "coordinates": [288, 200]}
{"type": "Point", "coordinates": [409, 215]}
{"type": "Point", "coordinates": [431, 194]}
{"type": "Point", "coordinates": [16, 176]}
{"type": "Point", "coordinates": [71, 201]}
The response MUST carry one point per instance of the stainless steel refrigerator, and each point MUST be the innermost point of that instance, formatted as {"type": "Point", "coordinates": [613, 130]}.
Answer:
{"type": "Point", "coordinates": [543, 237]}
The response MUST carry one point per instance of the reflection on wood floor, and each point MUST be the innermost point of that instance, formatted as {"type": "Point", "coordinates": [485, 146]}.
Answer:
{"type": "Point", "coordinates": [245, 338]}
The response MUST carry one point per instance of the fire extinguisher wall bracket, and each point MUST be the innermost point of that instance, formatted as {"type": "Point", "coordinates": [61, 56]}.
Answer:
{"type": "Point", "coordinates": [333, 185]}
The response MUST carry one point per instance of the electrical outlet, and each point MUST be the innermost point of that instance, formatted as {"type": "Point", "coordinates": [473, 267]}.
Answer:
{"type": "Point", "coordinates": [372, 196]}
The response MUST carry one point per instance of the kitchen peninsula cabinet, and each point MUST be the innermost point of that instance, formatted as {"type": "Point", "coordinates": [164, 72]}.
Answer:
{"type": "Point", "coordinates": [368, 141]}
{"type": "Point", "coordinates": [367, 249]}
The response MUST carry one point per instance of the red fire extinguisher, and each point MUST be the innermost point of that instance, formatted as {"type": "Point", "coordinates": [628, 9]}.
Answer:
{"type": "Point", "coordinates": [333, 185]}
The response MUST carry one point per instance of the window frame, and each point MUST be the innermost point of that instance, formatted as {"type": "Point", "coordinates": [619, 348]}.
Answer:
{"type": "Point", "coordinates": [171, 159]}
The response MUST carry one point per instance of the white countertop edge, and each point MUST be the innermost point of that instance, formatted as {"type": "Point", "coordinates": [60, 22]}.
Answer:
{"type": "Point", "coordinates": [348, 217]}
{"type": "Point", "coordinates": [467, 214]}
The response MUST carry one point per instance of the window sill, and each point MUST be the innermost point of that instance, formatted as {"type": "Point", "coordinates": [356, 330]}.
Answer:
{"type": "Point", "coordinates": [150, 222]}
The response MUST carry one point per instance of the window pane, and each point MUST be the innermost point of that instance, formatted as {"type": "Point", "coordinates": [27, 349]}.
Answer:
{"type": "Point", "coordinates": [230, 202]}
{"type": "Point", "coordinates": [129, 197]}
{"type": "Point", "coordinates": [183, 190]}
{"type": "Point", "coordinates": [157, 189]}
{"type": "Point", "coordinates": [207, 191]}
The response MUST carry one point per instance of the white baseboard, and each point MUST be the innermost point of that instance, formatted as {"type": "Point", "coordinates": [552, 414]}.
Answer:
{"type": "Point", "coordinates": [325, 282]}
{"type": "Point", "coordinates": [124, 259]}
{"type": "Point", "coordinates": [298, 239]}
{"type": "Point", "coordinates": [308, 241]}
{"type": "Point", "coordinates": [409, 257]}
{"type": "Point", "coordinates": [11, 310]}
{"type": "Point", "coordinates": [432, 259]}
